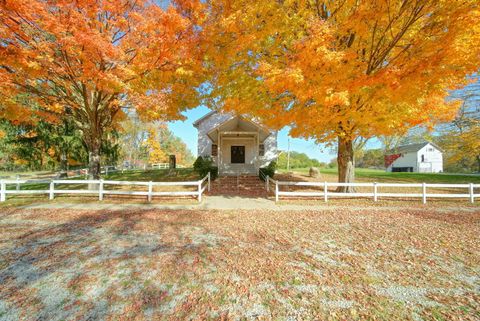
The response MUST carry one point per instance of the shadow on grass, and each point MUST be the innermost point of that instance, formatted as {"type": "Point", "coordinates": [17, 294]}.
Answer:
{"type": "Point", "coordinates": [69, 251]}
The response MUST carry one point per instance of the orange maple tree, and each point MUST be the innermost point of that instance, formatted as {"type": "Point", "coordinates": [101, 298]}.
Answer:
{"type": "Point", "coordinates": [90, 60]}
{"type": "Point", "coordinates": [338, 70]}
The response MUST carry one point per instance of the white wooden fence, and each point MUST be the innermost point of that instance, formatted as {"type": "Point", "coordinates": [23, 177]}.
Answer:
{"type": "Point", "coordinates": [464, 190]}
{"type": "Point", "coordinates": [101, 189]}
{"type": "Point", "coordinates": [161, 166]}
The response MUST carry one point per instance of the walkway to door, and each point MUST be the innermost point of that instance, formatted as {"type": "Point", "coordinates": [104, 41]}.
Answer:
{"type": "Point", "coordinates": [239, 185]}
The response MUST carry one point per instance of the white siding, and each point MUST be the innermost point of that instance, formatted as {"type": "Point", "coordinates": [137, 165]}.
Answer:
{"type": "Point", "coordinates": [432, 160]}
{"type": "Point", "coordinates": [204, 143]}
{"type": "Point", "coordinates": [406, 160]}
{"type": "Point", "coordinates": [271, 151]}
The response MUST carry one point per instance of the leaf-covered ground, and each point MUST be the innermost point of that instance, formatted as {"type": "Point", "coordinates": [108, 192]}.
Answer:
{"type": "Point", "coordinates": [410, 264]}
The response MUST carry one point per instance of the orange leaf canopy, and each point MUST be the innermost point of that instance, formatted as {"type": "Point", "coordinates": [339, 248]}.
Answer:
{"type": "Point", "coordinates": [95, 57]}
{"type": "Point", "coordinates": [345, 68]}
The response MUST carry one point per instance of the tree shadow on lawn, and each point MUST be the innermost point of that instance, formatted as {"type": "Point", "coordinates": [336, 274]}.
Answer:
{"type": "Point", "coordinates": [49, 270]}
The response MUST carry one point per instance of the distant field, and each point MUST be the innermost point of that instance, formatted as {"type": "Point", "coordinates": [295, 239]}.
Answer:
{"type": "Point", "coordinates": [382, 176]}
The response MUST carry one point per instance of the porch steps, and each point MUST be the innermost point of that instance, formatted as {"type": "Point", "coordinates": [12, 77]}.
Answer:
{"type": "Point", "coordinates": [241, 185]}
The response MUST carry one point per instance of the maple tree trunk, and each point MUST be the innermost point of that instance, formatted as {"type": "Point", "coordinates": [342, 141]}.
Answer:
{"type": "Point", "coordinates": [94, 162]}
{"type": "Point", "coordinates": [63, 163]}
{"type": "Point", "coordinates": [346, 164]}
{"type": "Point", "coordinates": [93, 135]}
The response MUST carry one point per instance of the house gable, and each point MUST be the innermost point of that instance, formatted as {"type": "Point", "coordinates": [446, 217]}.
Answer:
{"type": "Point", "coordinates": [238, 125]}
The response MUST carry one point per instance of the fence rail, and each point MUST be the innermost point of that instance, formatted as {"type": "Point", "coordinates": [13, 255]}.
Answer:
{"type": "Point", "coordinates": [100, 188]}
{"type": "Point", "coordinates": [465, 190]}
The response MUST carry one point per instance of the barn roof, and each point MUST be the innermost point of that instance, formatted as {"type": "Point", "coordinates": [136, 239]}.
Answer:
{"type": "Point", "coordinates": [411, 148]}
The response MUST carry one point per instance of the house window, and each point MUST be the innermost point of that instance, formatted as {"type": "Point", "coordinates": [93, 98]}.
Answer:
{"type": "Point", "coordinates": [430, 149]}
{"type": "Point", "coordinates": [261, 150]}
{"type": "Point", "coordinates": [423, 158]}
{"type": "Point", "coordinates": [214, 150]}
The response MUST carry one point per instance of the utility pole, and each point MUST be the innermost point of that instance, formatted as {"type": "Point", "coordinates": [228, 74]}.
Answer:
{"type": "Point", "coordinates": [288, 156]}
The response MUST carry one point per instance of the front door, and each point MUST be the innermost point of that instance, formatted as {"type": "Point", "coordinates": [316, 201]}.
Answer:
{"type": "Point", "coordinates": [238, 154]}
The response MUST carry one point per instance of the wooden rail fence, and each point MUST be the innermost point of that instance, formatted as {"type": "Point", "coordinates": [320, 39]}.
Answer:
{"type": "Point", "coordinates": [465, 190]}
{"type": "Point", "coordinates": [101, 190]}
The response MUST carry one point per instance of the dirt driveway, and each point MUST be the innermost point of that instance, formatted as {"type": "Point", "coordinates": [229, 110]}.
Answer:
{"type": "Point", "coordinates": [59, 264]}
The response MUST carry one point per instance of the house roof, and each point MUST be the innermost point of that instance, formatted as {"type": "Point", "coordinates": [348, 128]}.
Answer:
{"type": "Point", "coordinates": [204, 117]}
{"type": "Point", "coordinates": [213, 112]}
{"type": "Point", "coordinates": [412, 148]}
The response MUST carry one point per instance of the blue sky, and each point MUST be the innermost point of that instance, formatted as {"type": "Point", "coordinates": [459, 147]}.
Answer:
{"type": "Point", "coordinates": [188, 133]}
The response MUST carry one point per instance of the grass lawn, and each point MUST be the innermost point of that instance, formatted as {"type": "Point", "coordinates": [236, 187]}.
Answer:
{"type": "Point", "coordinates": [409, 264]}
{"type": "Point", "coordinates": [154, 175]}
{"type": "Point", "coordinates": [25, 174]}
{"type": "Point", "coordinates": [157, 175]}
{"type": "Point", "coordinates": [365, 174]}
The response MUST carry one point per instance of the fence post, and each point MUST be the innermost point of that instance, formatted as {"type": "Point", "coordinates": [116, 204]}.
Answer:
{"type": "Point", "coordinates": [424, 193]}
{"type": "Point", "coordinates": [325, 191]}
{"type": "Point", "coordinates": [267, 183]}
{"type": "Point", "coordinates": [199, 191]}
{"type": "Point", "coordinates": [276, 191]}
{"type": "Point", "coordinates": [86, 173]}
{"type": "Point", "coordinates": [375, 197]}
{"type": "Point", "coordinates": [150, 190]}
{"type": "Point", "coordinates": [52, 190]}
{"type": "Point", "coordinates": [106, 170]}
{"type": "Point", "coordinates": [209, 181]}
{"type": "Point", "coordinates": [100, 190]}
{"type": "Point", "coordinates": [3, 187]}
{"type": "Point", "coordinates": [18, 184]}
{"type": "Point", "coordinates": [472, 200]}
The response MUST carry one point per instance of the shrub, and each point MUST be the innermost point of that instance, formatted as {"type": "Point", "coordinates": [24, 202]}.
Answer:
{"type": "Point", "coordinates": [197, 165]}
{"type": "Point", "coordinates": [203, 165]}
{"type": "Point", "coordinates": [269, 170]}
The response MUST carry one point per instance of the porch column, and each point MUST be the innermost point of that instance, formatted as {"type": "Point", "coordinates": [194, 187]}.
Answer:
{"type": "Point", "coordinates": [257, 157]}
{"type": "Point", "coordinates": [219, 152]}
{"type": "Point", "coordinates": [218, 149]}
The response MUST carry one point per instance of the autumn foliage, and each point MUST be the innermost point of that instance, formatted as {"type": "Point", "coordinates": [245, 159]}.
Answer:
{"type": "Point", "coordinates": [332, 70]}
{"type": "Point", "coordinates": [89, 60]}
{"type": "Point", "coordinates": [337, 70]}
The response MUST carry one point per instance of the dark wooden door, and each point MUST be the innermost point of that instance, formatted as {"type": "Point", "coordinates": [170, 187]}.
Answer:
{"type": "Point", "coordinates": [238, 154]}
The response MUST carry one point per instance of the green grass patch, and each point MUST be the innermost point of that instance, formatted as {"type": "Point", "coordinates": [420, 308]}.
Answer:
{"type": "Point", "coordinates": [154, 175]}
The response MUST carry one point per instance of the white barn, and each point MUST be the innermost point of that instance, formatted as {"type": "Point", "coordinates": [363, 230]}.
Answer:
{"type": "Point", "coordinates": [421, 158]}
{"type": "Point", "coordinates": [238, 145]}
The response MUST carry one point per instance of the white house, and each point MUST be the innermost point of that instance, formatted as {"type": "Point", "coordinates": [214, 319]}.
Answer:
{"type": "Point", "coordinates": [237, 144]}
{"type": "Point", "coordinates": [422, 158]}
